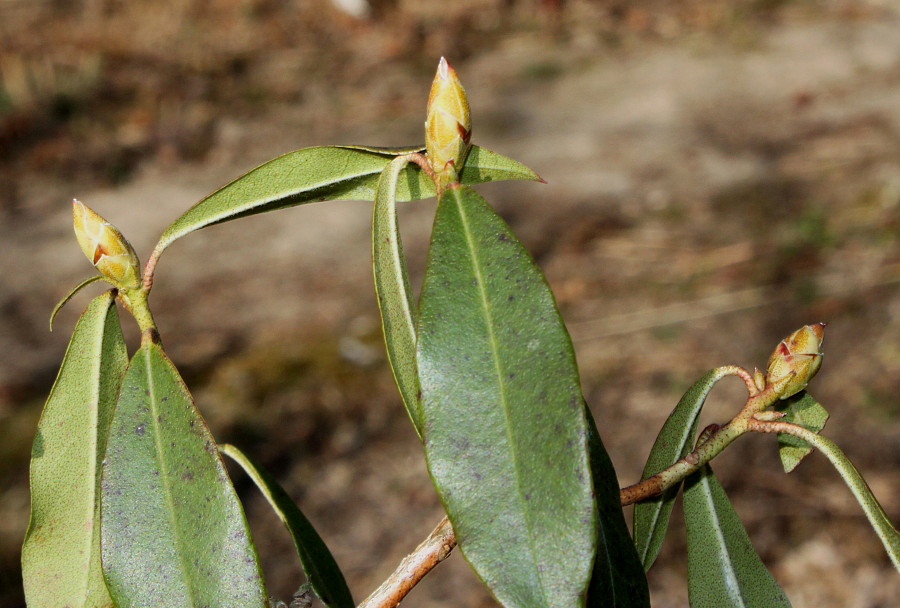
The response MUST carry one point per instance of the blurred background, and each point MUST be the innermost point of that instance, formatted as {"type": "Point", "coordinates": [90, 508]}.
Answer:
{"type": "Point", "coordinates": [720, 173]}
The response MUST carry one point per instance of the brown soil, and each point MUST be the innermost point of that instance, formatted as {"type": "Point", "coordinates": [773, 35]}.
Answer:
{"type": "Point", "coordinates": [719, 174]}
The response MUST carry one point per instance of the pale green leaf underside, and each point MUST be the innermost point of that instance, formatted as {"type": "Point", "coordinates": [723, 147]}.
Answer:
{"type": "Point", "coordinates": [804, 410]}
{"type": "Point", "coordinates": [174, 533]}
{"type": "Point", "coordinates": [318, 564]}
{"type": "Point", "coordinates": [878, 519]}
{"type": "Point", "coordinates": [328, 173]}
{"type": "Point", "coordinates": [724, 570]}
{"type": "Point", "coordinates": [675, 439]}
{"type": "Point", "coordinates": [505, 432]}
{"type": "Point", "coordinates": [70, 295]}
{"type": "Point", "coordinates": [61, 554]}
{"type": "Point", "coordinates": [393, 292]}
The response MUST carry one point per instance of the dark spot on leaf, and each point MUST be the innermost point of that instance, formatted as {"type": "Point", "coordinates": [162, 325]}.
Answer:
{"type": "Point", "coordinates": [187, 476]}
{"type": "Point", "coordinates": [527, 496]}
{"type": "Point", "coordinates": [510, 298]}
{"type": "Point", "coordinates": [511, 376]}
{"type": "Point", "coordinates": [502, 237]}
{"type": "Point", "coordinates": [139, 429]}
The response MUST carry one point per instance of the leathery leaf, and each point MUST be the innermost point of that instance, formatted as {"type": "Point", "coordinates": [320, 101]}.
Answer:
{"type": "Point", "coordinates": [174, 533]}
{"type": "Point", "coordinates": [651, 516]}
{"type": "Point", "coordinates": [61, 554]}
{"type": "Point", "coordinates": [325, 173]}
{"type": "Point", "coordinates": [505, 430]}
{"type": "Point", "coordinates": [318, 564]}
{"type": "Point", "coordinates": [392, 289]}
{"type": "Point", "coordinates": [724, 570]}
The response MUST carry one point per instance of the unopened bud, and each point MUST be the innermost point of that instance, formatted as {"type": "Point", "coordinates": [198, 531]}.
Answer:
{"type": "Point", "coordinates": [796, 360]}
{"type": "Point", "coordinates": [447, 126]}
{"type": "Point", "coordinates": [105, 247]}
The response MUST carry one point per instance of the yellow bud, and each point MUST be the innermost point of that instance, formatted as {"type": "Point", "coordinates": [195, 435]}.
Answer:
{"type": "Point", "coordinates": [105, 247]}
{"type": "Point", "coordinates": [447, 126]}
{"type": "Point", "coordinates": [796, 360]}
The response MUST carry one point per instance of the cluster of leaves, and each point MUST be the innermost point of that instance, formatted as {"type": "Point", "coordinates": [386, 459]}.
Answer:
{"type": "Point", "coordinates": [132, 506]}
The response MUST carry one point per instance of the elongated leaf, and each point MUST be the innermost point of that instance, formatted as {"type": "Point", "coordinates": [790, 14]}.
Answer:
{"type": "Point", "coordinates": [505, 432]}
{"type": "Point", "coordinates": [321, 570]}
{"type": "Point", "coordinates": [328, 173]}
{"type": "Point", "coordinates": [651, 517]}
{"type": "Point", "coordinates": [174, 533]}
{"type": "Point", "coordinates": [618, 579]}
{"type": "Point", "coordinates": [61, 554]}
{"type": "Point", "coordinates": [804, 410]}
{"type": "Point", "coordinates": [724, 570]}
{"type": "Point", "coordinates": [483, 165]}
{"type": "Point", "coordinates": [878, 519]}
{"type": "Point", "coordinates": [71, 294]}
{"type": "Point", "coordinates": [394, 295]}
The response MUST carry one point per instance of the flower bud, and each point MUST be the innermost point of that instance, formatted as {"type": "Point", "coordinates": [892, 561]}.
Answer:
{"type": "Point", "coordinates": [105, 247]}
{"type": "Point", "coordinates": [796, 360]}
{"type": "Point", "coordinates": [447, 126]}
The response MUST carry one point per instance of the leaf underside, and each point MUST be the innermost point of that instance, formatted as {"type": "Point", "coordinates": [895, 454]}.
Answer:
{"type": "Point", "coordinates": [651, 517]}
{"type": "Point", "coordinates": [724, 570]}
{"type": "Point", "coordinates": [174, 533]}
{"type": "Point", "coordinates": [804, 410]}
{"type": "Point", "coordinates": [393, 292]}
{"type": "Point", "coordinates": [505, 432]}
{"type": "Point", "coordinates": [61, 554]}
{"type": "Point", "coordinates": [329, 173]}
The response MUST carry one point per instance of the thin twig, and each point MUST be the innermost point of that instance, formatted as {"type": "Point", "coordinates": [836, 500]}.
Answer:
{"type": "Point", "coordinates": [413, 568]}
{"type": "Point", "coordinates": [149, 269]}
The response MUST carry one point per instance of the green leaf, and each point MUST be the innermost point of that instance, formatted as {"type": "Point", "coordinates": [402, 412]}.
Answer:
{"type": "Point", "coordinates": [651, 516]}
{"type": "Point", "coordinates": [71, 294]}
{"type": "Point", "coordinates": [174, 533]}
{"type": "Point", "coordinates": [328, 173]}
{"type": "Point", "coordinates": [618, 579]}
{"type": "Point", "coordinates": [878, 519]}
{"type": "Point", "coordinates": [804, 410]}
{"type": "Point", "coordinates": [483, 165]}
{"type": "Point", "coordinates": [61, 554]}
{"type": "Point", "coordinates": [724, 570]}
{"type": "Point", "coordinates": [394, 295]}
{"type": "Point", "coordinates": [505, 431]}
{"type": "Point", "coordinates": [318, 564]}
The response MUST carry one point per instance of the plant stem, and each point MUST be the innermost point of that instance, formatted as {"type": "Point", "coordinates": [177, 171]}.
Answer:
{"type": "Point", "coordinates": [433, 550]}
{"type": "Point", "coordinates": [885, 530]}
{"type": "Point", "coordinates": [135, 302]}
{"type": "Point", "coordinates": [425, 165]}
{"type": "Point", "coordinates": [149, 269]}
{"type": "Point", "coordinates": [711, 443]}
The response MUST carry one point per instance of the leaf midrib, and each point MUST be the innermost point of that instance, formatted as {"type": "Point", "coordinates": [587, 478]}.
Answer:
{"type": "Point", "coordinates": [94, 417]}
{"type": "Point", "coordinates": [731, 581]}
{"type": "Point", "coordinates": [169, 238]}
{"type": "Point", "coordinates": [476, 268]}
{"type": "Point", "coordinates": [164, 476]}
